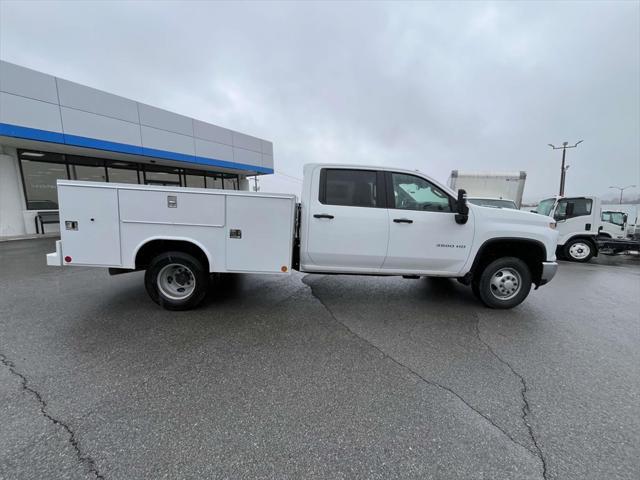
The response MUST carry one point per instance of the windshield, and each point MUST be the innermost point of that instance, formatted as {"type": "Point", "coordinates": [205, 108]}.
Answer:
{"type": "Point", "coordinates": [545, 206]}
{"type": "Point", "coordinates": [493, 202]}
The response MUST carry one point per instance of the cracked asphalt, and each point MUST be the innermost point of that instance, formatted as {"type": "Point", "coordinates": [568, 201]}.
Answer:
{"type": "Point", "coordinates": [316, 377]}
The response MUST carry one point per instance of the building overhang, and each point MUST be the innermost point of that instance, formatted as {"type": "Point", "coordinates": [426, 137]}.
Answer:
{"type": "Point", "coordinates": [36, 139]}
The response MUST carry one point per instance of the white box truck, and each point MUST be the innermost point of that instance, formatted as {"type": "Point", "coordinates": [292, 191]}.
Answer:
{"type": "Point", "coordinates": [351, 219]}
{"type": "Point", "coordinates": [490, 186]}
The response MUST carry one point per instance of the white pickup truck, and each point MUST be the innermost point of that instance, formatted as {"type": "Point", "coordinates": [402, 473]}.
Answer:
{"type": "Point", "coordinates": [351, 220]}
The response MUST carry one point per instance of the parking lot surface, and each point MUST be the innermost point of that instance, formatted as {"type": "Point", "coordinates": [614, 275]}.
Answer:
{"type": "Point", "coordinates": [316, 377]}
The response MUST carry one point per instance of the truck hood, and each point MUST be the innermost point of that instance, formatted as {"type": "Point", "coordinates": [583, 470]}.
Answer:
{"type": "Point", "coordinates": [508, 215]}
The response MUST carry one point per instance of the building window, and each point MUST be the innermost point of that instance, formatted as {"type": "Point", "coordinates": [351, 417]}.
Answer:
{"type": "Point", "coordinates": [231, 182]}
{"type": "Point", "coordinates": [86, 168]}
{"type": "Point", "coordinates": [214, 181]}
{"type": "Point", "coordinates": [39, 174]}
{"type": "Point", "coordinates": [122, 172]}
{"type": "Point", "coordinates": [154, 175]}
{"type": "Point", "coordinates": [41, 170]}
{"type": "Point", "coordinates": [194, 179]}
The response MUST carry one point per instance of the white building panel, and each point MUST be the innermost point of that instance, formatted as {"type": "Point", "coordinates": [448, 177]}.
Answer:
{"type": "Point", "coordinates": [27, 112]}
{"type": "Point", "coordinates": [164, 120]}
{"type": "Point", "coordinates": [247, 142]}
{"type": "Point", "coordinates": [169, 141]}
{"type": "Point", "coordinates": [90, 125]}
{"type": "Point", "coordinates": [267, 147]}
{"type": "Point", "coordinates": [249, 157]}
{"type": "Point", "coordinates": [212, 133]}
{"type": "Point", "coordinates": [214, 150]}
{"type": "Point", "coordinates": [267, 161]}
{"type": "Point", "coordinates": [27, 83]}
{"type": "Point", "coordinates": [96, 101]}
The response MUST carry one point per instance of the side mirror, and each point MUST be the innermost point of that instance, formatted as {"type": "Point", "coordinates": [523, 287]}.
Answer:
{"type": "Point", "coordinates": [462, 210]}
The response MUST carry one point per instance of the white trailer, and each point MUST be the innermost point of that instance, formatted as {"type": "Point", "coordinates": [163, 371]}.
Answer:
{"type": "Point", "coordinates": [490, 185]}
{"type": "Point", "coordinates": [351, 219]}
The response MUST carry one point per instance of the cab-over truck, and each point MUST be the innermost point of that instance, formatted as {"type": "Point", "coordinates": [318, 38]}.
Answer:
{"type": "Point", "coordinates": [351, 220]}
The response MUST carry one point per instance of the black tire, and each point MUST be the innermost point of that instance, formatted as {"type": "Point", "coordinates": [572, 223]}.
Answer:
{"type": "Point", "coordinates": [579, 250]}
{"type": "Point", "coordinates": [170, 272]}
{"type": "Point", "coordinates": [515, 275]}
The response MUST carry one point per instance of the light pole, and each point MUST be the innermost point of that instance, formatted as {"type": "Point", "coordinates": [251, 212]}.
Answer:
{"type": "Point", "coordinates": [563, 170]}
{"type": "Point", "coordinates": [622, 189]}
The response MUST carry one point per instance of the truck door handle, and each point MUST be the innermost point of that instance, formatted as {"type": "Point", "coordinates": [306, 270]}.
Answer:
{"type": "Point", "coordinates": [402, 220]}
{"type": "Point", "coordinates": [323, 215]}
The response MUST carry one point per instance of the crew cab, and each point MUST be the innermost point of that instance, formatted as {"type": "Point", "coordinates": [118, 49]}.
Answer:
{"type": "Point", "coordinates": [350, 220]}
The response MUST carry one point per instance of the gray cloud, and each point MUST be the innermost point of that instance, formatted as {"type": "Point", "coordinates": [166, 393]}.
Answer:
{"type": "Point", "coordinates": [429, 86]}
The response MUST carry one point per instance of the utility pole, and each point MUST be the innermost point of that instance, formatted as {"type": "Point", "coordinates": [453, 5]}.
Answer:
{"type": "Point", "coordinates": [563, 169]}
{"type": "Point", "coordinates": [622, 189]}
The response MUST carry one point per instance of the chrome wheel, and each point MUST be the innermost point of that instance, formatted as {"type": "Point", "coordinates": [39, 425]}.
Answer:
{"type": "Point", "coordinates": [579, 250]}
{"type": "Point", "coordinates": [506, 283]}
{"type": "Point", "coordinates": [175, 281]}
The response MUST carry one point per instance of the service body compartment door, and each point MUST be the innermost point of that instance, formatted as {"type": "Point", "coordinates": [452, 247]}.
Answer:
{"type": "Point", "coordinates": [89, 225]}
{"type": "Point", "coordinates": [259, 233]}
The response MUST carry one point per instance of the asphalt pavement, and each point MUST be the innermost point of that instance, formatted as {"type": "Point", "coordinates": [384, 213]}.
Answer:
{"type": "Point", "coordinates": [315, 376]}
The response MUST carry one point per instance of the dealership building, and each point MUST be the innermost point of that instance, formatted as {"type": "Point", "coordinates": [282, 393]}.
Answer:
{"type": "Point", "coordinates": [53, 129]}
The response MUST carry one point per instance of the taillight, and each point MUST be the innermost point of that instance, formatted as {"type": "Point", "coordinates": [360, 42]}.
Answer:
{"type": "Point", "coordinates": [67, 259]}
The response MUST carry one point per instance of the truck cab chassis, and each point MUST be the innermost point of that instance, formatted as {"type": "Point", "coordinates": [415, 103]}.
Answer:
{"type": "Point", "coordinates": [350, 220]}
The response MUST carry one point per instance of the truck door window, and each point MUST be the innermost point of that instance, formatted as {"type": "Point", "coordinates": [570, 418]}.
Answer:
{"type": "Point", "coordinates": [581, 207]}
{"type": "Point", "coordinates": [416, 193]}
{"type": "Point", "coordinates": [353, 188]}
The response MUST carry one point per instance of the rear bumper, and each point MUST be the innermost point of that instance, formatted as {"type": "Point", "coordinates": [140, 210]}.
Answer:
{"type": "Point", "coordinates": [55, 259]}
{"type": "Point", "coordinates": [549, 270]}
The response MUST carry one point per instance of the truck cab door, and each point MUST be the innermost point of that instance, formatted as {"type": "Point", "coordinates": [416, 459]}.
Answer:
{"type": "Point", "coordinates": [424, 237]}
{"type": "Point", "coordinates": [347, 224]}
{"type": "Point", "coordinates": [576, 215]}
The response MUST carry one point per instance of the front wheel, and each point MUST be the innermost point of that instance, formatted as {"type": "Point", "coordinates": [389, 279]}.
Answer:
{"type": "Point", "coordinates": [504, 283]}
{"type": "Point", "coordinates": [176, 281]}
{"type": "Point", "coordinates": [579, 250]}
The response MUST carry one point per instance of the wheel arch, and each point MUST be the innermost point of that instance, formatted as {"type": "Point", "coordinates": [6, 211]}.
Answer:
{"type": "Point", "coordinates": [531, 251]}
{"type": "Point", "coordinates": [150, 247]}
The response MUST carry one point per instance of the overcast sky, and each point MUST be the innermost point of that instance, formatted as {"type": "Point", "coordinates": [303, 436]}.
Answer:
{"type": "Point", "coordinates": [428, 86]}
